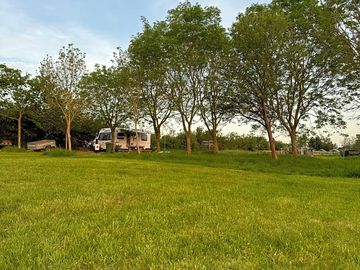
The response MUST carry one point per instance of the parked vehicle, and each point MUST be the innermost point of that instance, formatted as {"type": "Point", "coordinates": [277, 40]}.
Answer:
{"type": "Point", "coordinates": [350, 152]}
{"type": "Point", "coordinates": [41, 145]}
{"type": "Point", "coordinates": [125, 140]}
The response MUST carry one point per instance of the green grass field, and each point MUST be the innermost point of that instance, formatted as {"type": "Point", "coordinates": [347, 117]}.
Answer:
{"type": "Point", "coordinates": [228, 211]}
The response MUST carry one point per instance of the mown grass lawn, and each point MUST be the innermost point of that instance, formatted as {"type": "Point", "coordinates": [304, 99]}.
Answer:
{"type": "Point", "coordinates": [124, 212]}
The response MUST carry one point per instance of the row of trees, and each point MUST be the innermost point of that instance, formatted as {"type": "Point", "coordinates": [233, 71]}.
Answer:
{"type": "Point", "coordinates": [233, 141]}
{"type": "Point", "coordinates": [280, 66]}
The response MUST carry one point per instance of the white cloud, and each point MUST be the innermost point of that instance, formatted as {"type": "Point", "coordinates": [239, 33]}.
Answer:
{"type": "Point", "coordinates": [24, 42]}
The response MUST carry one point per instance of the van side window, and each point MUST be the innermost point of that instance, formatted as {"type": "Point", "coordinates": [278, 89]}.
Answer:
{"type": "Point", "coordinates": [105, 136]}
{"type": "Point", "coordinates": [121, 135]}
{"type": "Point", "coordinates": [143, 136]}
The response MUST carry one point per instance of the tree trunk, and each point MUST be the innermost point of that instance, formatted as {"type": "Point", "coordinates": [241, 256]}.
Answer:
{"type": "Point", "coordinates": [137, 138]}
{"type": "Point", "coordinates": [113, 140]}
{"type": "Point", "coordinates": [273, 148]}
{"type": "Point", "coordinates": [188, 142]}
{"type": "Point", "coordinates": [271, 139]}
{"type": "Point", "coordinates": [137, 142]}
{"type": "Point", "coordinates": [215, 141]}
{"type": "Point", "coordinates": [157, 138]}
{"type": "Point", "coordinates": [68, 135]}
{"type": "Point", "coordinates": [294, 149]}
{"type": "Point", "coordinates": [66, 140]}
{"type": "Point", "coordinates": [19, 130]}
{"type": "Point", "coordinates": [270, 134]}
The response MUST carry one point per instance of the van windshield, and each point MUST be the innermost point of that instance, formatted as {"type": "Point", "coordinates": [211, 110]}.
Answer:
{"type": "Point", "coordinates": [105, 136]}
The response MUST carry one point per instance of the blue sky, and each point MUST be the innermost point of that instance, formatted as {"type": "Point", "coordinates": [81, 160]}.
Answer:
{"type": "Point", "coordinates": [31, 29]}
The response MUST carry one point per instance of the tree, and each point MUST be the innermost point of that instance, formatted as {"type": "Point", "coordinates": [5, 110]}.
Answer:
{"type": "Point", "coordinates": [135, 99]}
{"type": "Point", "coordinates": [60, 81]}
{"type": "Point", "coordinates": [193, 34]}
{"type": "Point", "coordinates": [320, 142]}
{"type": "Point", "coordinates": [148, 54]}
{"type": "Point", "coordinates": [47, 117]}
{"type": "Point", "coordinates": [216, 86]}
{"type": "Point", "coordinates": [108, 92]}
{"type": "Point", "coordinates": [133, 81]}
{"type": "Point", "coordinates": [307, 86]}
{"type": "Point", "coordinates": [342, 39]}
{"type": "Point", "coordinates": [258, 38]}
{"type": "Point", "coordinates": [15, 96]}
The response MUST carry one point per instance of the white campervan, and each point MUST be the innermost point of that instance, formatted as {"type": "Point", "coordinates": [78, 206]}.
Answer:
{"type": "Point", "coordinates": [125, 140]}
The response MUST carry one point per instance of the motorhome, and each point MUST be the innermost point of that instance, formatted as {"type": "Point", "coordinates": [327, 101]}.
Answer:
{"type": "Point", "coordinates": [125, 140]}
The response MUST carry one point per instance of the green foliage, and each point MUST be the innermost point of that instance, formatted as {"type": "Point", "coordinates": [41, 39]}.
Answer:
{"type": "Point", "coordinates": [189, 65]}
{"type": "Point", "coordinates": [16, 96]}
{"type": "Point", "coordinates": [148, 54]}
{"type": "Point", "coordinates": [356, 144]}
{"type": "Point", "coordinates": [342, 37]}
{"type": "Point", "coordinates": [101, 212]}
{"type": "Point", "coordinates": [59, 81]}
{"type": "Point", "coordinates": [320, 142]}
{"type": "Point", "coordinates": [178, 142]}
{"type": "Point", "coordinates": [258, 39]}
{"type": "Point", "coordinates": [231, 141]}
{"type": "Point", "coordinates": [279, 66]}
{"type": "Point", "coordinates": [243, 142]}
{"type": "Point", "coordinates": [109, 94]}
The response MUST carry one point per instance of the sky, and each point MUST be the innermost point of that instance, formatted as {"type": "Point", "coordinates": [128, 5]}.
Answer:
{"type": "Point", "coordinates": [29, 30]}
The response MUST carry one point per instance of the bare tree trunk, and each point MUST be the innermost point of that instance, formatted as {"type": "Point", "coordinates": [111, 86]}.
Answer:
{"type": "Point", "coordinates": [113, 140]}
{"type": "Point", "coordinates": [188, 142]}
{"type": "Point", "coordinates": [66, 141]}
{"type": "Point", "coordinates": [270, 134]}
{"type": "Point", "coordinates": [271, 139]}
{"type": "Point", "coordinates": [157, 137]}
{"type": "Point", "coordinates": [273, 148]}
{"type": "Point", "coordinates": [137, 137]}
{"type": "Point", "coordinates": [215, 141]}
{"type": "Point", "coordinates": [19, 130]}
{"type": "Point", "coordinates": [294, 149]}
{"type": "Point", "coordinates": [68, 135]}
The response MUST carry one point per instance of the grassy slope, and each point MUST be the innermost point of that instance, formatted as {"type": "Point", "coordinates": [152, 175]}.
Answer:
{"type": "Point", "coordinates": [99, 212]}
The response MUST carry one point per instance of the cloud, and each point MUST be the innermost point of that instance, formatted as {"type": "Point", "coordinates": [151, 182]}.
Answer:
{"type": "Point", "coordinates": [24, 42]}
